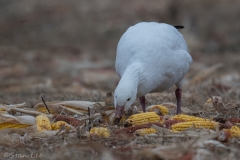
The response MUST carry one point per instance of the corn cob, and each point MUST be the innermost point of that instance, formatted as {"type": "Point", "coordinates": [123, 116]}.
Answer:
{"type": "Point", "coordinates": [162, 110]}
{"type": "Point", "coordinates": [100, 131]}
{"type": "Point", "coordinates": [234, 131]}
{"type": "Point", "coordinates": [194, 124]}
{"type": "Point", "coordinates": [6, 125]}
{"type": "Point", "coordinates": [187, 118]}
{"type": "Point", "coordinates": [120, 121]}
{"type": "Point", "coordinates": [144, 131]}
{"type": "Point", "coordinates": [209, 100]}
{"type": "Point", "coordinates": [225, 134]}
{"type": "Point", "coordinates": [234, 120]}
{"type": "Point", "coordinates": [58, 124]}
{"type": "Point", "coordinates": [43, 123]}
{"type": "Point", "coordinates": [44, 110]}
{"type": "Point", "coordinates": [72, 121]}
{"type": "Point", "coordinates": [143, 118]}
{"type": "Point", "coordinates": [168, 123]}
{"type": "Point", "coordinates": [132, 129]}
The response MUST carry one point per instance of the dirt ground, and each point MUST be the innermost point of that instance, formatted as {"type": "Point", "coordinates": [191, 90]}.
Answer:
{"type": "Point", "coordinates": [65, 50]}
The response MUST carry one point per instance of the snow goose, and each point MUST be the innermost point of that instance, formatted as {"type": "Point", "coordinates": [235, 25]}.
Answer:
{"type": "Point", "coordinates": [151, 57]}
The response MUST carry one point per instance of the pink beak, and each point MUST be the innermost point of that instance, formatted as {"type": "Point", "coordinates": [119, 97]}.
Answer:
{"type": "Point", "coordinates": [119, 112]}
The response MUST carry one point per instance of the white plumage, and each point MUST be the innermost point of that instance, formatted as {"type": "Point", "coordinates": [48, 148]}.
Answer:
{"type": "Point", "coordinates": [150, 57]}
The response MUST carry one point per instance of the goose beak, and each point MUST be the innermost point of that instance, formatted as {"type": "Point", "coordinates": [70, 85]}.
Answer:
{"type": "Point", "coordinates": [119, 112]}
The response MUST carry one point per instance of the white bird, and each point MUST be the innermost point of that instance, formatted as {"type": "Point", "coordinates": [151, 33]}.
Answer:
{"type": "Point", "coordinates": [151, 57]}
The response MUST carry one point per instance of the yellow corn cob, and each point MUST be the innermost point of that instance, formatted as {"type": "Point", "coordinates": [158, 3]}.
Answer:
{"type": "Point", "coordinates": [209, 100]}
{"type": "Point", "coordinates": [225, 134]}
{"type": "Point", "coordinates": [58, 124]}
{"type": "Point", "coordinates": [194, 124]}
{"type": "Point", "coordinates": [44, 110]}
{"type": "Point", "coordinates": [43, 123]}
{"type": "Point", "coordinates": [234, 131]}
{"type": "Point", "coordinates": [187, 118]}
{"type": "Point", "coordinates": [145, 131]}
{"type": "Point", "coordinates": [143, 118]}
{"type": "Point", "coordinates": [6, 125]}
{"type": "Point", "coordinates": [123, 119]}
{"type": "Point", "coordinates": [163, 110]}
{"type": "Point", "coordinates": [100, 131]}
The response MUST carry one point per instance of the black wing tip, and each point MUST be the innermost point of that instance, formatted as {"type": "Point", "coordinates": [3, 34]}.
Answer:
{"type": "Point", "coordinates": [179, 27]}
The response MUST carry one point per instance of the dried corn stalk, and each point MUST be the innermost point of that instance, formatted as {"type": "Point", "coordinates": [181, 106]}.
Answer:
{"type": "Point", "coordinates": [17, 119]}
{"type": "Point", "coordinates": [194, 124]}
{"type": "Point", "coordinates": [4, 106]}
{"type": "Point", "coordinates": [81, 106]}
{"type": "Point", "coordinates": [142, 118]}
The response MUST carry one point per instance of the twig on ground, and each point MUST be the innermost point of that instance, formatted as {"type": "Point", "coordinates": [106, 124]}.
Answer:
{"type": "Point", "coordinates": [45, 104]}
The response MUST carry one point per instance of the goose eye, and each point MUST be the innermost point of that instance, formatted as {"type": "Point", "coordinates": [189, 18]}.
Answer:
{"type": "Point", "coordinates": [128, 99]}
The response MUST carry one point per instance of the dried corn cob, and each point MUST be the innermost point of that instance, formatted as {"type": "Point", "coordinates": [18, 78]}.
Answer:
{"type": "Point", "coordinates": [44, 110]}
{"type": "Point", "coordinates": [123, 119]}
{"type": "Point", "coordinates": [234, 120]}
{"type": "Point", "coordinates": [159, 109]}
{"type": "Point", "coordinates": [187, 118]}
{"type": "Point", "coordinates": [109, 116]}
{"type": "Point", "coordinates": [100, 131]}
{"type": "Point", "coordinates": [43, 123]}
{"type": "Point", "coordinates": [144, 131]}
{"type": "Point", "coordinates": [225, 134]}
{"type": "Point", "coordinates": [194, 124]}
{"type": "Point", "coordinates": [234, 131]}
{"type": "Point", "coordinates": [132, 129]}
{"type": "Point", "coordinates": [168, 123]}
{"type": "Point", "coordinates": [6, 125]}
{"type": "Point", "coordinates": [143, 118]}
{"type": "Point", "coordinates": [58, 124]}
{"type": "Point", "coordinates": [72, 121]}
